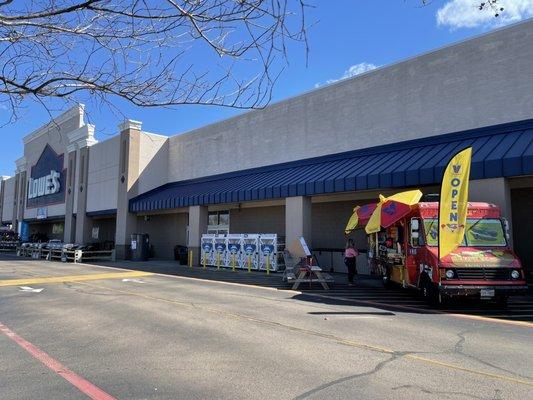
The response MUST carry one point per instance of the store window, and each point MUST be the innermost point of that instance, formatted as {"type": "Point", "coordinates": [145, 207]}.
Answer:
{"type": "Point", "coordinates": [57, 229]}
{"type": "Point", "coordinates": [218, 222]}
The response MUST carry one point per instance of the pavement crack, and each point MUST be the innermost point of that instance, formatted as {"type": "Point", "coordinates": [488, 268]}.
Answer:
{"type": "Point", "coordinates": [327, 385]}
{"type": "Point", "coordinates": [77, 289]}
{"type": "Point", "coordinates": [453, 394]}
{"type": "Point", "coordinates": [459, 349]}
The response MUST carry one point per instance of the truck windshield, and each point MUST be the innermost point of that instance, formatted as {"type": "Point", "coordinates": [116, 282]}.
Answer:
{"type": "Point", "coordinates": [479, 233]}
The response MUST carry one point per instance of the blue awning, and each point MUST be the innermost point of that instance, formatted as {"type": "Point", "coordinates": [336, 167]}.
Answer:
{"type": "Point", "coordinates": [498, 151]}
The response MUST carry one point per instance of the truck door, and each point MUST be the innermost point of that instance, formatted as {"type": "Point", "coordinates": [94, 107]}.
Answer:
{"type": "Point", "coordinates": [414, 242]}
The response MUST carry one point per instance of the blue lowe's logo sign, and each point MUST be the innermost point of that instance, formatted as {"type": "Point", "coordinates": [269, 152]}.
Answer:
{"type": "Point", "coordinates": [46, 180]}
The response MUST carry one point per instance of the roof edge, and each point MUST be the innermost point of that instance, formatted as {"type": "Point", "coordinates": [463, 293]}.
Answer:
{"type": "Point", "coordinates": [407, 144]}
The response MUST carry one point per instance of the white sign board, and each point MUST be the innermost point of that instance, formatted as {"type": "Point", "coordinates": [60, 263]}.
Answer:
{"type": "Point", "coordinates": [299, 248]}
{"type": "Point", "coordinates": [42, 213]}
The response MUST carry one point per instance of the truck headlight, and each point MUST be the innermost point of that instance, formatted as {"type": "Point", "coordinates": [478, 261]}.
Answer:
{"type": "Point", "coordinates": [450, 274]}
{"type": "Point", "coordinates": [515, 274]}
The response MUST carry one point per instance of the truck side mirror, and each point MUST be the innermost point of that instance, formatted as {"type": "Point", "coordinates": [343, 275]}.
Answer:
{"type": "Point", "coordinates": [506, 226]}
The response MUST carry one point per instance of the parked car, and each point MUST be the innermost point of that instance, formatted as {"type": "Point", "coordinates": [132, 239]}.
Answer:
{"type": "Point", "coordinates": [54, 244]}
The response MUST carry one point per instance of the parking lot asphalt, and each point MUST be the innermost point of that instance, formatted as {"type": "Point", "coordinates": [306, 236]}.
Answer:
{"type": "Point", "coordinates": [80, 331]}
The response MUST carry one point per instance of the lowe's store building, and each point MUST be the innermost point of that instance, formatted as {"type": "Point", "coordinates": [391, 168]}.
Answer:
{"type": "Point", "coordinates": [299, 166]}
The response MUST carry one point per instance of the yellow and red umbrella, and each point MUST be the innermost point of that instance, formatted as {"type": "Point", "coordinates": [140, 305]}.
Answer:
{"type": "Point", "coordinates": [391, 209]}
{"type": "Point", "coordinates": [360, 216]}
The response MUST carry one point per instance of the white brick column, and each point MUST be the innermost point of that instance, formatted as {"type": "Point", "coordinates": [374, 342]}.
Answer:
{"type": "Point", "coordinates": [197, 227]}
{"type": "Point", "coordinates": [127, 185]}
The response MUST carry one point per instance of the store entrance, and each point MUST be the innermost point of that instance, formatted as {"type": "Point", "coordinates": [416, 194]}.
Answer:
{"type": "Point", "coordinates": [44, 231]}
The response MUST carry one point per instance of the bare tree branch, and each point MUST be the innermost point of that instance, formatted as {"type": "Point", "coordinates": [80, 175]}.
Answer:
{"type": "Point", "coordinates": [143, 50]}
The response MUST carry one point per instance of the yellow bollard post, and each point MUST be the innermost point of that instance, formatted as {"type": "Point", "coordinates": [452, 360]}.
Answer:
{"type": "Point", "coordinates": [268, 264]}
{"type": "Point", "coordinates": [249, 263]}
{"type": "Point", "coordinates": [205, 259]}
{"type": "Point", "coordinates": [190, 258]}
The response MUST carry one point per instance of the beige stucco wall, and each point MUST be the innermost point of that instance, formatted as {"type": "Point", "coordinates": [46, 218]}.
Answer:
{"type": "Point", "coordinates": [153, 161]}
{"type": "Point", "coordinates": [258, 220]}
{"type": "Point", "coordinates": [166, 231]}
{"type": "Point", "coordinates": [9, 198]}
{"type": "Point", "coordinates": [329, 221]}
{"type": "Point", "coordinates": [452, 89]}
{"type": "Point", "coordinates": [102, 183]}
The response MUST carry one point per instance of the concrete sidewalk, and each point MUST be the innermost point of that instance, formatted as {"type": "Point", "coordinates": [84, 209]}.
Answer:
{"type": "Point", "coordinates": [256, 278]}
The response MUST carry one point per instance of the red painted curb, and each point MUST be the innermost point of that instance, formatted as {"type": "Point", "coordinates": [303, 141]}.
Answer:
{"type": "Point", "coordinates": [83, 385]}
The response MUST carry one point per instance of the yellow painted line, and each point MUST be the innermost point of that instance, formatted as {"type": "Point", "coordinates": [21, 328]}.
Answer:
{"type": "Point", "coordinates": [477, 372]}
{"type": "Point", "coordinates": [504, 321]}
{"type": "Point", "coordinates": [346, 342]}
{"type": "Point", "coordinates": [72, 278]}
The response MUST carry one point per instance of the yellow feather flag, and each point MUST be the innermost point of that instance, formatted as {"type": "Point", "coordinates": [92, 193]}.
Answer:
{"type": "Point", "coordinates": [453, 206]}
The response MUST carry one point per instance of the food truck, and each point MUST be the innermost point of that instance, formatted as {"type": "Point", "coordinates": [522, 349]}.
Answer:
{"type": "Point", "coordinates": [483, 266]}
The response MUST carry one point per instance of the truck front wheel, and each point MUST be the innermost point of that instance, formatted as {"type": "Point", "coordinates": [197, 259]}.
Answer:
{"type": "Point", "coordinates": [387, 284]}
{"type": "Point", "coordinates": [502, 301]}
{"type": "Point", "coordinates": [430, 292]}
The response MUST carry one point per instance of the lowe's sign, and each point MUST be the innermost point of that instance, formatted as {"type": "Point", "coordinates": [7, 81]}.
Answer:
{"type": "Point", "coordinates": [45, 185]}
{"type": "Point", "coordinates": [46, 180]}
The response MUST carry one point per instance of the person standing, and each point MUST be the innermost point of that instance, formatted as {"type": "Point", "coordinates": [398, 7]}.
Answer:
{"type": "Point", "coordinates": [350, 254]}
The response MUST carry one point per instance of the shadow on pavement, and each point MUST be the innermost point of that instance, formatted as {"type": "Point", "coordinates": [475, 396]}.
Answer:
{"type": "Point", "coordinates": [367, 291]}
{"type": "Point", "coordinates": [352, 313]}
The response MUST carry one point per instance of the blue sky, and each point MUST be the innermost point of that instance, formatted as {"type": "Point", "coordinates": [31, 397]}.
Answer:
{"type": "Point", "coordinates": [346, 34]}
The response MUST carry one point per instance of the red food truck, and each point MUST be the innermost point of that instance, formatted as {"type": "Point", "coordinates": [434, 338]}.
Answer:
{"type": "Point", "coordinates": [483, 266]}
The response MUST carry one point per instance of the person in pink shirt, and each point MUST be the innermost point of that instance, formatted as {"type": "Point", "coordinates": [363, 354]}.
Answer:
{"type": "Point", "coordinates": [350, 254]}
